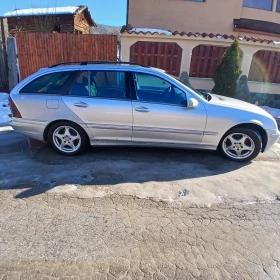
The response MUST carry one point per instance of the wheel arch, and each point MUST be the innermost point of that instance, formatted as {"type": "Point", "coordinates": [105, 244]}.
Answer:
{"type": "Point", "coordinates": [48, 127]}
{"type": "Point", "coordinates": [252, 126]}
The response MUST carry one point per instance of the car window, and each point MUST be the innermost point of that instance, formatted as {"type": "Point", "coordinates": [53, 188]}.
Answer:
{"type": "Point", "coordinates": [107, 84]}
{"type": "Point", "coordinates": [155, 89]}
{"type": "Point", "coordinates": [49, 83]}
{"type": "Point", "coordinates": [81, 85]}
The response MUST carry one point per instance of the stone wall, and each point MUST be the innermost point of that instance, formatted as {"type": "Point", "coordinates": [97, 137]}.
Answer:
{"type": "Point", "coordinates": [261, 99]}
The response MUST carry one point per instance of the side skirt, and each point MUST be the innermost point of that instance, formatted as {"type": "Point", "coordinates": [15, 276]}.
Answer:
{"type": "Point", "coordinates": [151, 144]}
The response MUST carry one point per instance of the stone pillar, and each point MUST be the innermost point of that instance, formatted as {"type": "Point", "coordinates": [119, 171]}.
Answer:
{"type": "Point", "coordinates": [248, 52]}
{"type": "Point", "coordinates": [187, 46]}
{"type": "Point", "coordinates": [126, 43]}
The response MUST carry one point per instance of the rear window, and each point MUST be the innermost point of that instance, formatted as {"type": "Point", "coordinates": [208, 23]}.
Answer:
{"type": "Point", "coordinates": [50, 83]}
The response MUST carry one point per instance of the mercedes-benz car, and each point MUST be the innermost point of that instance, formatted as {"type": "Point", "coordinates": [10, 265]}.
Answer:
{"type": "Point", "coordinates": [72, 106]}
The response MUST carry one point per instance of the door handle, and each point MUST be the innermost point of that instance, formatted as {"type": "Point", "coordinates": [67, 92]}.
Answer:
{"type": "Point", "coordinates": [81, 104]}
{"type": "Point", "coordinates": [142, 109]}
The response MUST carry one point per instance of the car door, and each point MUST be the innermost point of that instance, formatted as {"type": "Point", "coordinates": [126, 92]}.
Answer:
{"type": "Point", "coordinates": [101, 100]}
{"type": "Point", "coordinates": [159, 115]}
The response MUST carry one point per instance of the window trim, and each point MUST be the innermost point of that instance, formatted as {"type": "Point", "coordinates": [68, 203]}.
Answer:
{"type": "Point", "coordinates": [127, 85]}
{"type": "Point", "coordinates": [198, 1]}
{"type": "Point", "coordinates": [154, 102]}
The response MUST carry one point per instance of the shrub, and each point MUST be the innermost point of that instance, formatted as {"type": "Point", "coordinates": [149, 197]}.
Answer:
{"type": "Point", "coordinates": [228, 72]}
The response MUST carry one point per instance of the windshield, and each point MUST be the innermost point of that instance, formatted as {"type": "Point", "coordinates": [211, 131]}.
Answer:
{"type": "Point", "coordinates": [207, 96]}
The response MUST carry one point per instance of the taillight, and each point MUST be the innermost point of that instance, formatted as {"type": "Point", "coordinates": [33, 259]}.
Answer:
{"type": "Point", "coordinates": [14, 109]}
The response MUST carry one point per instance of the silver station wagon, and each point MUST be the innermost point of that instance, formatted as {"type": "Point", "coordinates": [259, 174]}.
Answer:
{"type": "Point", "coordinates": [89, 103]}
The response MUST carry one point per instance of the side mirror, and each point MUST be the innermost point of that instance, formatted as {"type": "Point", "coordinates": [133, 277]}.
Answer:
{"type": "Point", "coordinates": [191, 103]}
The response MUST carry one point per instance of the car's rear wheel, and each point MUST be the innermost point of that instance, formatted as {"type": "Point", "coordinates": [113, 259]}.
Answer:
{"type": "Point", "coordinates": [241, 144]}
{"type": "Point", "coordinates": [67, 138]}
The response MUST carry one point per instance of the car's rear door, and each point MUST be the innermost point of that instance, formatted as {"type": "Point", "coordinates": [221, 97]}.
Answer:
{"type": "Point", "coordinates": [101, 99]}
{"type": "Point", "coordinates": [159, 115]}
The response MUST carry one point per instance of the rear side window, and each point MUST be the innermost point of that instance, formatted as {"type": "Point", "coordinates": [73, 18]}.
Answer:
{"type": "Point", "coordinates": [81, 85]}
{"type": "Point", "coordinates": [50, 83]}
{"type": "Point", "coordinates": [107, 84]}
{"type": "Point", "coordinates": [104, 84]}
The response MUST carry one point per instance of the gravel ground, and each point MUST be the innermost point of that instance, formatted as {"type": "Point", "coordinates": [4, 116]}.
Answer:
{"type": "Point", "coordinates": [50, 237]}
{"type": "Point", "coordinates": [116, 213]}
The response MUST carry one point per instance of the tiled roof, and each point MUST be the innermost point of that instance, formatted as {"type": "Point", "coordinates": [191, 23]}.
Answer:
{"type": "Point", "coordinates": [130, 30]}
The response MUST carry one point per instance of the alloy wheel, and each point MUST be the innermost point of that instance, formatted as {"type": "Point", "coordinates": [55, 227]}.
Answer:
{"type": "Point", "coordinates": [67, 139]}
{"type": "Point", "coordinates": [238, 145]}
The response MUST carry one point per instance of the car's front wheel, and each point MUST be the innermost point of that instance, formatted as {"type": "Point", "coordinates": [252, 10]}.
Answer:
{"type": "Point", "coordinates": [241, 144]}
{"type": "Point", "coordinates": [67, 138]}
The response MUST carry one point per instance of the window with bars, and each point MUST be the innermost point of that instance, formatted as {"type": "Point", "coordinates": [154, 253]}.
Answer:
{"type": "Point", "coordinates": [259, 4]}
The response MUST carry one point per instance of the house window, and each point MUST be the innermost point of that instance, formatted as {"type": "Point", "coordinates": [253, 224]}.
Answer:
{"type": "Point", "coordinates": [196, 0]}
{"type": "Point", "coordinates": [258, 4]}
{"type": "Point", "coordinates": [278, 6]}
{"type": "Point", "coordinates": [76, 31]}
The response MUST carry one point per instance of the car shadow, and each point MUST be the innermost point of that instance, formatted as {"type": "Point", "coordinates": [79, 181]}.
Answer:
{"type": "Point", "coordinates": [109, 166]}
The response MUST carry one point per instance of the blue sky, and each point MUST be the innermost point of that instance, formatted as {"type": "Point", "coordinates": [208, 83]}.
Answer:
{"type": "Point", "coordinates": [110, 12]}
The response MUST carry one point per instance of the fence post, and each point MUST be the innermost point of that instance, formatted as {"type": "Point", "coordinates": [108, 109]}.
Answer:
{"type": "Point", "coordinates": [12, 63]}
{"type": "Point", "coordinates": [3, 40]}
{"type": "Point", "coordinates": [3, 58]}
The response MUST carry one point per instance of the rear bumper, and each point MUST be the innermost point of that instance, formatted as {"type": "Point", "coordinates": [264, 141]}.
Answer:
{"type": "Point", "coordinates": [31, 128]}
{"type": "Point", "coordinates": [272, 137]}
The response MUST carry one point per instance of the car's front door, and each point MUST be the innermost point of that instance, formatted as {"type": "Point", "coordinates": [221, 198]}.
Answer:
{"type": "Point", "coordinates": [159, 115]}
{"type": "Point", "coordinates": [102, 101]}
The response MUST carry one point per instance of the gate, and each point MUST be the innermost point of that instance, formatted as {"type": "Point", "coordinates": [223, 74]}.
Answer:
{"type": "Point", "coordinates": [205, 60]}
{"type": "Point", "coordinates": [38, 50]}
{"type": "Point", "coordinates": [166, 56]}
{"type": "Point", "coordinates": [265, 67]}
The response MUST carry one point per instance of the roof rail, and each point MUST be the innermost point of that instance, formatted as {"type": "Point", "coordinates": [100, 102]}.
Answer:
{"type": "Point", "coordinates": [98, 62]}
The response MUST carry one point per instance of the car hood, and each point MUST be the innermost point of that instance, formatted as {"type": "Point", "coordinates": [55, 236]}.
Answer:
{"type": "Point", "coordinates": [237, 104]}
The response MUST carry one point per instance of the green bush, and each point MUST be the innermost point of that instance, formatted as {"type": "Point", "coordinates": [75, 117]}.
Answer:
{"type": "Point", "coordinates": [228, 72]}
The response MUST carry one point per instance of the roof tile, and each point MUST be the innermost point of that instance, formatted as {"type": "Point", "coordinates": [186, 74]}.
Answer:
{"type": "Point", "coordinates": [129, 29]}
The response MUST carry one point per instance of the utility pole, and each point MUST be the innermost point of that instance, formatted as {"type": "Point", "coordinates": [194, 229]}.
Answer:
{"type": "Point", "coordinates": [127, 11]}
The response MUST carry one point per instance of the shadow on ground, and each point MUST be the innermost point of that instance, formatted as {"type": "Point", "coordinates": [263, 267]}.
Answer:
{"type": "Point", "coordinates": [44, 169]}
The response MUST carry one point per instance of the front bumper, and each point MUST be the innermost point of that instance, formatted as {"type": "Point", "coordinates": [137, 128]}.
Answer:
{"type": "Point", "coordinates": [272, 137]}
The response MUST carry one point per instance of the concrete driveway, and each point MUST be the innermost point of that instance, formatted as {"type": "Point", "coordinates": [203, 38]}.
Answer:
{"type": "Point", "coordinates": [135, 213]}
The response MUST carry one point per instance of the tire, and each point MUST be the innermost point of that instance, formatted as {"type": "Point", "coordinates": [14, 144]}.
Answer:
{"type": "Point", "coordinates": [67, 138]}
{"type": "Point", "coordinates": [241, 144]}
